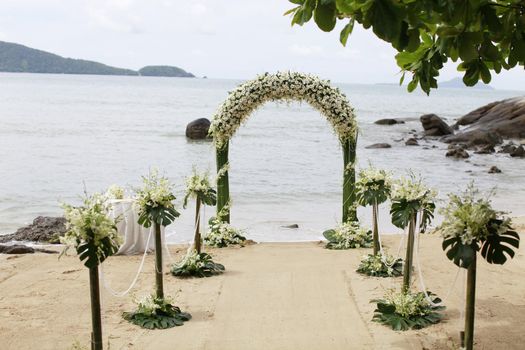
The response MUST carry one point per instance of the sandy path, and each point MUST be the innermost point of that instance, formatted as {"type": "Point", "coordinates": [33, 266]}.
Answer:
{"type": "Point", "coordinates": [273, 296]}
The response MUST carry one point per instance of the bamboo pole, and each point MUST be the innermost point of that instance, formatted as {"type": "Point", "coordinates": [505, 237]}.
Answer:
{"type": "Point", "coordinates": [377, 248]}
{"type": "Point", "coordinates": [158, 262]}
{"type": "Point", "coordinates": [223, 188]}
{"type": "Point", "coordinates": [197, 241]}
{"type": "Point", "coordinates": [407, 268]}
{"type": "Point", "coordinates": [96, 320]}
{"type": "Point", "coordinates": [349, 154]}
{"type": "Point", "coordinates": [470, 305]}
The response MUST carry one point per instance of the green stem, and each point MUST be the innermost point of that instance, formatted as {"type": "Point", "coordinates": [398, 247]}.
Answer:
{"type": "Point", "coordinates": [197, 242]}
{"type": "Point", "coordinates": [407, 269]}
{"type": "Point", "coordinates": [158, 262]}
{"type": "Point", "coordinates": [349, 154]}
{"type": "Point", "coordinates": [96, 320]}
{"type": "Point", "coordinates": [470, 305]}
{"type": "Point", "coordinates": [223, 189]}
{"type": "Point", "coordinates": [375, 208]}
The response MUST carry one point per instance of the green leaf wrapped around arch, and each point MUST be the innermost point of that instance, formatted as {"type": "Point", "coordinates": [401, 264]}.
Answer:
{"type": "Point", "coordinates": [199, 186]}
{"type": "Point", "coordinates": [154, 201]}
{"type": "Point", "coordinates": [287, 86]}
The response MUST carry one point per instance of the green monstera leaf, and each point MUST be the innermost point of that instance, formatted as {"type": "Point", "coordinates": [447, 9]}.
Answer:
{"type": "Point", "coordinates": [92, 255]}
{"type": "Point", "coordinates": [461, 254]}
{"type": "Point", "coordinates": [496, 246]}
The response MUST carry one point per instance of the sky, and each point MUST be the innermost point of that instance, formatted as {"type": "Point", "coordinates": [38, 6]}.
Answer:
{"type": "Point", "coordinates": [235, 39]}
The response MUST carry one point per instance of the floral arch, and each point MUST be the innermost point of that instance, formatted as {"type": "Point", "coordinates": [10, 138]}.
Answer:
{"type": "Point", "coordinates": [287, 86]}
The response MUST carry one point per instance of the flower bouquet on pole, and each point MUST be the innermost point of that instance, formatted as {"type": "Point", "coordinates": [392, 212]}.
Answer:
{"type": "Point", "coordinates": [155, 206]}
{"type": "Point", "coordinates": [471, 225]}
{"type": "Point", "coordinates": [405, 309]}
{"type": "Point", "coordinates": [94, 236]}
{"type": "Point", "coordinates": [197, 263]}
{"type": "Point", "coordinates": [373, 188]}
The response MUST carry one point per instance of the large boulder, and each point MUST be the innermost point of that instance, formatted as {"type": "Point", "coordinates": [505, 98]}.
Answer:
{"type": "Point", "coordinates": [506, 118]}
{"type": "Point", "coordinates": [22, 249]}
{"type": "Point", "coordinates": [435, 126]}
{"type": "Point", "coordinates": [43, 229]}
{"type": "Point", "coordinates": [475, 137]}
{"type": "Point", "coordinates": [198, 129]}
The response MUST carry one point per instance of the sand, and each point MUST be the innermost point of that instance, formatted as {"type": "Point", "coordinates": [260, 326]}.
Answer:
{"type": "Point", "coordinates": [273, 296]}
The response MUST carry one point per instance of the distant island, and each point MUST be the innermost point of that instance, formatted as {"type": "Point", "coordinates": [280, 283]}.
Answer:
{"type": "Point", "coordinates": [457, 83]}
{"type": "Point", "coordinates": [16, 58]}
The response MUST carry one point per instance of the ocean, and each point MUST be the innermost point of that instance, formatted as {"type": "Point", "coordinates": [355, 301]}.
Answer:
{"type": "Point", "coordinates": [62, 133]}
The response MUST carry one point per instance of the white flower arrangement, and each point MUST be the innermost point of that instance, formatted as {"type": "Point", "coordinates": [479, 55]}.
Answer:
{"type": "Point", "coordinates": [89, 228]}
{"type": "Point", "coordinates": [373, 186]}
{"type": "Point", "coordinates": [199, 186]}
{"type": "Point", "coordinates": [381, 265]}
{"type": "Point", "coordinates": [222, 234]}
{"type": "Point", "coordinates": [114, 192]}
{"type": "Point", "coordinates": [348, 235]}
{"type": "Point", "coordinates": [154, 201]}
{"type": "Point", "coordinates": [288, 86]}
{"type": "Point", "coordinates": [411, 189]}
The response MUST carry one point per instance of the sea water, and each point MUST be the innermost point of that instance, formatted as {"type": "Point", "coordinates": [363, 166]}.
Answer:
{"type": "Point", "coordinates": [61, 134]}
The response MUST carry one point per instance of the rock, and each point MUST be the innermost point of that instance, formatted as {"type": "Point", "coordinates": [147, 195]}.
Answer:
{"type": "Point", "coordinates": [519, 152]}
{"type": "Point", "coordinates": [16, 249]}
{"type": "Point", "coordinates": [485, 149]}
{"type": "Point", "coordinates": [508, 148]}
{"type": "Point", "coordinates": [494, 170]}
{"type": "Point", "coordinates": [475, 137]}
{"type": "Point", "coordinates": [411, 142]}
{"type": "Point", "coordinates": [458, 153]}
{"type": "Point", "coordinates": [22, 249]}
{"type": "Point", "coordinates": [290, 226]}
{"type": "Point", "coordinates": [388, 121]}
{"type": "Point", "coordinates": [435, 126]}
{"type": "Point", "coordinates": [198, 129]}
{"type": "Point", "coordinates": [43, 229]}
{"type": "Point", "coordinates": [506, 118]}
{"type": "Point", "coordinates": [379, 145]}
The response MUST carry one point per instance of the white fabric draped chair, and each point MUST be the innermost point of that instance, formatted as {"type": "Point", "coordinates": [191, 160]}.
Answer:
{"type": "Point", "coordinates": [135, 236]}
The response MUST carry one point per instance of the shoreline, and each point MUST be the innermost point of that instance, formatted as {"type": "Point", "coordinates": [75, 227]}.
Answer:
{"type": "Point", "coordinates": [273, 295]}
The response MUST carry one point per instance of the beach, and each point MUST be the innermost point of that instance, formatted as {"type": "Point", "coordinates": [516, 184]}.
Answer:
{"type": "Point", "coordinates": [272, 296]}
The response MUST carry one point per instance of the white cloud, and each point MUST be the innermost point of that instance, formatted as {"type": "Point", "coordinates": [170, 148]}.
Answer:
{"type": "Point", "coordinates": [114, 15]}
{"type": "Point", "coordinates": [198, 9]}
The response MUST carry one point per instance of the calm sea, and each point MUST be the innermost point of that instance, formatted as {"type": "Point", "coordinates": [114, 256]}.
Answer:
{"type": "Point", "coordinates": [59, 132]}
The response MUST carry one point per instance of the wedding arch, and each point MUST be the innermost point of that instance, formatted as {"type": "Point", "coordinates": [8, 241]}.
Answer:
{"type": "Point", "coordinates": [287, 86]}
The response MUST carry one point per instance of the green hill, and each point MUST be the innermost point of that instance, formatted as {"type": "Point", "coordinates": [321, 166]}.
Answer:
{"type": "Point", "coordinates": [22, 59]}
{"type": "Point", "coordinates": [164, 71]}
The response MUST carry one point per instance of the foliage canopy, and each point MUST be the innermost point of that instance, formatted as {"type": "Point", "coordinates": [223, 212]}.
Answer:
{"type": "Point", "coordinates": [483, 36]}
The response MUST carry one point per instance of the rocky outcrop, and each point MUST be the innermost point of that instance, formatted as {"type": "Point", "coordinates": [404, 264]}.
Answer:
{"type": "Point", "coordinates": [198, 129]}
{"type": "Point", "coordinates": [22, 249]}
{"type": "Point", "coordinates": [379, 145]}
{"type": "Point", "coordinates": [43, 229]}
{"type": "Point", "coordinates": [505, 118]}
{"type": "Point", "coordinates": [435, 126]}
{"type": "Point", "coordinates": [457, 151]}
{"type": "Point", "coordinates": [519, 152]}
{"type": "Point", "coordinates": [475, 137]}
{"type": "Point", "coordinates": [494, 170]}
{"type": "Point", "coordinates": [388, 121]}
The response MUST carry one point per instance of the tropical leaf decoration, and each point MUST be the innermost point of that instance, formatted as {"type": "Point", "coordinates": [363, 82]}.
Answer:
{"type": "Point", "coordinates": [409, 198]}
{"type": "Point", "coordinates": [197, 265]}
{"type": "Point", "coordinates": [373, 186]}
{"type": "Point", "coordinates": [156, 313]}
{"type": "Point", "coordinates": [91, 231]}
{"type": "Point", "coordinates": [381, 265]}
{"type": "Point", "coordinates": [199, 187]}
{"type": "Point", "coordinates": [154, 201]}
{"type": "Point", "coordinates": [221, 234]}
{"type": "Point", "coordinates": [406, 310]}
{"type": "Point", "coordinates": [470, 225]}
{"type": "Point", "coordinates": [348, 235]}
